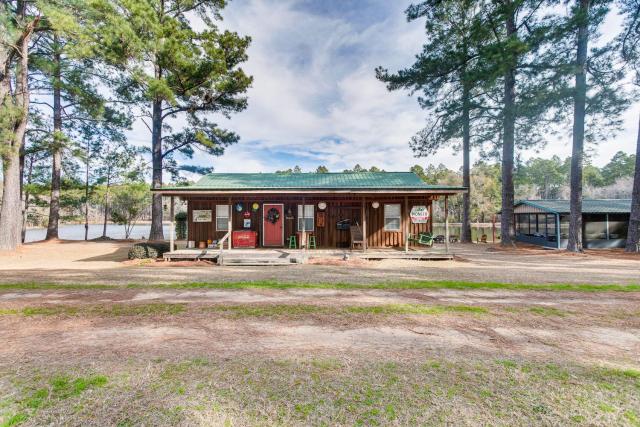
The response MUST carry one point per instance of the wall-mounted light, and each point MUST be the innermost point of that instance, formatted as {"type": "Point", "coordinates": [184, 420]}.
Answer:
{"type": "Point", "coordinates": [322, 206]}
{"type": "Point", "coordinates": [375, 205]}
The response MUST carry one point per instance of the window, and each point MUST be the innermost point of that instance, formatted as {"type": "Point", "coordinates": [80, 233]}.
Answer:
{"type": "Point", "coordinates": [307, 217]}
{"type": "Point", "coordinates": [392, 217]}
{"type": "Point", "coordinates": [222, 218]}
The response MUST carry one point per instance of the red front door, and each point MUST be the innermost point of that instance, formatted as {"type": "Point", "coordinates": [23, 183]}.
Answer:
{"type": "Point", "coordinates": [272, 224]}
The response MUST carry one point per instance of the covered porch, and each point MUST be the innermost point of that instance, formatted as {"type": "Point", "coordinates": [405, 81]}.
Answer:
{"type": "Point", "coordinates": [369, 215]}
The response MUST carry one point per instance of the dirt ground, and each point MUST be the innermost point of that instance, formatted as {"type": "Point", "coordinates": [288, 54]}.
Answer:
{"type": "Point", "coordinates": [104, 262]}
{"type": "Point", "coordinates": [559, 326]}
{"type": "Point", "coordinates": [172, 355]}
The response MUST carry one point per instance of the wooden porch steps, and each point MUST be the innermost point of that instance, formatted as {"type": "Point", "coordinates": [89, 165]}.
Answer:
{"type": "Point", "coordinates": [257, 259]}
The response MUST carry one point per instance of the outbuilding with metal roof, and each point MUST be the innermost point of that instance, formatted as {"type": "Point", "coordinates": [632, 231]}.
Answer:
{"type": "Point", "coordinates": [546, 222]}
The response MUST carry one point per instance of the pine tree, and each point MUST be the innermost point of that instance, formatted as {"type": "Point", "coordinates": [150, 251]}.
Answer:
{"type": "Point", "coordinates": [172, 68]}
{"type": "Point", "coordinates": [444, 75]}
{"type": "Point", "coordinates": [629, 42]}
{"type": "Point", "coordinates": [597, 97]}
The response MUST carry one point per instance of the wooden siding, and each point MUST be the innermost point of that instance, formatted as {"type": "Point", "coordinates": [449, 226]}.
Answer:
{"type": "Point", "coordinates": [338, 208]}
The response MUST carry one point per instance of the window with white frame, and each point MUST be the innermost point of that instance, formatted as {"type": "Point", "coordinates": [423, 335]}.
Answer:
{"type": "Point", "coordinates": [222, 218]}
{"type": "Point", "coordinates": [392, 217]}
{"type": "Point", "coordinates": [306, 216]}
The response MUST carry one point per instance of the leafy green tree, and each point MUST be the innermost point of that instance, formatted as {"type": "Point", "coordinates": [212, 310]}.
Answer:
{"type": "Point", "coordinates": [444, 75]}
{"type": "Point", "coordinates": [546, 175]}
{"type": "Point", "coordinates": [128, 204]}
{"type": "Point", "coordinates": [622, 165]}
{"type": "Point", "coordinates": [322, 169]}
{"type": "Point", "coordinates": [118, 163]}
{"type": "Point", "coordinates": [177, 68]}
{"type": "Point", "coordinates": [61, 73]}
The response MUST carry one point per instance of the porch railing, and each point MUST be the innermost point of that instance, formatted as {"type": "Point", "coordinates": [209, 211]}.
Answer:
{"type": "Point", "coordinates": [222, 241]}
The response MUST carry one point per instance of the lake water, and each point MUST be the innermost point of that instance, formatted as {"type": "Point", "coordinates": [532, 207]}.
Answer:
{"type": "Point", "coordinates": [76, 232]}
{"type": "Point", "coordinates": [476, 232]}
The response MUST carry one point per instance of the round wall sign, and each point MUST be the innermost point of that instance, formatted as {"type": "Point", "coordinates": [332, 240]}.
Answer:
{"type": "Point", "coordinates": [322, 206]}
{"type": "Point", "coordinates": [375, 205]}
{"type": "Point", "coordinates": [255, 207]}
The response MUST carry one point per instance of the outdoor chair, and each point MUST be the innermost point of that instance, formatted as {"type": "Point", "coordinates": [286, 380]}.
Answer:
{"type": "Point", "coordinates": [357, 237]}
{"type": "Point", "coordinates": [424, 239]}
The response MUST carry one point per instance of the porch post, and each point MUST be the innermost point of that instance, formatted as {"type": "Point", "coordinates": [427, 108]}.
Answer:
{"type": "Point", "coordinates": [406, 223]}
{"type": "Point", "coordinates": [230, 222]}
{"type": "Point", "coordinates": [303, 236]}
{"type": "Point", "coordinates": [558, 229]}
{"type": "Point", "coordinates": [364, 224]}
{"type": "Point", "coordinates": [607, 221]}
{"type": "Point", "coordinates": [172, 227]}
{"type": "Point", "coordinates": [446, 222]}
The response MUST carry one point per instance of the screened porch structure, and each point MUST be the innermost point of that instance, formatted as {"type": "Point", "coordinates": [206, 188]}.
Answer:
{"type": "Point", "coordinates": [546, 222]}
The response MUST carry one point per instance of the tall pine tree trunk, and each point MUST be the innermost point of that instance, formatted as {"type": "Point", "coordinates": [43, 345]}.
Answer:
{"type": "Point", "coordinates": [465, 234]}
{"type": "Point", "coordinates": [86, 192]}
{"type": "Point", "coordinates": [106, 205]}
{"type": "Point", "coordinates": [56, 152]}
{"type": "Point", "coordinates": [156, 156]}
{"type": "Point", "coordinates": [633, 234]}
{"type": "Point", "coordinates": [579, 105]}
{"type": "Point", "coordinates": [508, 144]}
{"type": "Point", "coordinates": [11, 210]}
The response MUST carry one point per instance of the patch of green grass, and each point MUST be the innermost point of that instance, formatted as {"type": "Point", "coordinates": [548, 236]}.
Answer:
{"type": "Point", "coordinates": [548, 311]}
{"type": "Point", "coordinates": [462, 285]}
{"type": "Point", "coordinates": [107, 310]}
{"type": "Point", "coordinates": [14, 420]}
{"type": "Point", "coordinates": [64, 387]}
{"type": "Point", "coordinates": [298, 310]}
{"type": "Point", "coordinates": [56, 390]}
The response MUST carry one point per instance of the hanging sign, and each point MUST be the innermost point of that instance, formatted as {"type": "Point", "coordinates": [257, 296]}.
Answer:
{"type": "Point", "coordinates": [202, 215]}
{"type": "Point", "coordinates": [419, 215]}
{"type": "Point", "coordinates": [246, 214]}
{"type": "Point", "coordinates": [246, 223]}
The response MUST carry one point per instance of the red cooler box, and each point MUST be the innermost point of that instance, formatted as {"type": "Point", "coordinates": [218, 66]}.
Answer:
{"type": "Point", "coordinates": [244, 239]}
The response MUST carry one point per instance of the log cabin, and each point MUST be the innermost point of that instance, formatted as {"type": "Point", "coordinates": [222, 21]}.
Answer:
{"type": "Point", "coordinates": [300, 210]}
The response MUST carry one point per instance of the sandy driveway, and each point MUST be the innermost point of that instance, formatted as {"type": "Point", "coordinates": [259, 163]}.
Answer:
{"type": "Point", "coordinates": [558, 326]}
{"type": "Point", "coordinates": [101, 262]}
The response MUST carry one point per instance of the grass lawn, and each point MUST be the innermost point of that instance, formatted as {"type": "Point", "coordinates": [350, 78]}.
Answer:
{"type": "Point", "coordinates": [285, 391]}
{"type": "Point", "coordinates": [273, 353]}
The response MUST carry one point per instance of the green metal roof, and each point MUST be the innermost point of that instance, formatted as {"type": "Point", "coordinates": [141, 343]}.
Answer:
{"type": "Point", "coordinates": [589, 206]}
{"type": "Point", "coordinates": [313, 181]}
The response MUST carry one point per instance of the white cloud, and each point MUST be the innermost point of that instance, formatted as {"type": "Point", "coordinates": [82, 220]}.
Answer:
{"type": "Point", "coordinates": [315, 98]}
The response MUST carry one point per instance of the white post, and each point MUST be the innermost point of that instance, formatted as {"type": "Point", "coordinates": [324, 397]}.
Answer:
{"type": "Point", "coordinates": [364, 224]}
{"type": "Point", "coordinates": [172, 227]}
{"type": "Point", "coordinates": [303, 236]}
{"type": "Point", "coordinates": [406, 223]}
{"type": "Point", "coordinates": [230, 222]}
{"type": "Point", "coordinates": [446, 223]}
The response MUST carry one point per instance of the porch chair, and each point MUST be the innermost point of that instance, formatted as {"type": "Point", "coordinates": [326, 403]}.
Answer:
{"type": "Point", "coordinates": [357, 237]}
{"type": "Point", "coordinates": [424, 239]}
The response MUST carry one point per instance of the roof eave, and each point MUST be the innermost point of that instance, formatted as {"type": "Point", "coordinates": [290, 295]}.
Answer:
{"type": "Point", "coordinates": [192, 190]}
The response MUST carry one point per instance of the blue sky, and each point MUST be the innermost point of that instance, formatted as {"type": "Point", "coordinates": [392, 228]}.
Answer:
{"type": "Point", "coordinates": [315, 100]}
